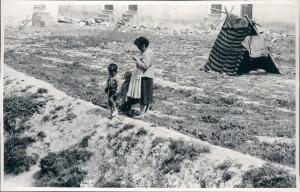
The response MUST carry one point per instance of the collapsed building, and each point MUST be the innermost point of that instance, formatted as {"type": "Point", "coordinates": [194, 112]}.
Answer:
{"type": "Point", "coordinates": [93, 14]}
{"type": "Point", "coordinates": [143, 14]}
{"type": "Point", "coordinates": [170, 15]}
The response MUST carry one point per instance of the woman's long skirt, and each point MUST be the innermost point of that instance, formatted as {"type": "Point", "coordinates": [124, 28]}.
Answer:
{"type": "Point", "coordinates": [146, 91]}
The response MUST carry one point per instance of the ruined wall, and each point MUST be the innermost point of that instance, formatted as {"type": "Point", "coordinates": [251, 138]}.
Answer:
{"type": "Point", "coordinates": [14, 12]}
{"type": "Point", "coordinates": [146, 14]}
{"type": "Point", "coordinates": [40, 16]}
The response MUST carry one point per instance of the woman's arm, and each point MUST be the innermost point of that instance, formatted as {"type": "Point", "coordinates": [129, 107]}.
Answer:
{"type": "Point", "coordinates": [144, 62]}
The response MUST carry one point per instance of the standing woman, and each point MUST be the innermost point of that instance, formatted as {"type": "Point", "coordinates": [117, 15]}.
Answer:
{"type": "Point", "coordinates": [145, 63]}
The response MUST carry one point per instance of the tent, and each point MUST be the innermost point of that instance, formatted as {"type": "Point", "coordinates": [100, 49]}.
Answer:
{"type": "Point", "coordinates": [228, 55]}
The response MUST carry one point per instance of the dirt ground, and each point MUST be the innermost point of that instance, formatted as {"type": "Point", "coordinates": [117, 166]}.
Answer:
{"type": "Point", "coordinates": [241, 113]}
{"type": "Point", "coordinates": [126, 152]}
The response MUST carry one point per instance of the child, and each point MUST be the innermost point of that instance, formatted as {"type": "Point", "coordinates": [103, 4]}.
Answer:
{"type": "Point", "coordinates": [126, 106]}
{"type": "Point", "coordinates": [111, 89]}
{"type": "Point", "coordinates": [134, 89]}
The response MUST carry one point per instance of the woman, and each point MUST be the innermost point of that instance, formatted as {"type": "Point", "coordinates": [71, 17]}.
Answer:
{"type": "Point", "coordinates": [145, 64]}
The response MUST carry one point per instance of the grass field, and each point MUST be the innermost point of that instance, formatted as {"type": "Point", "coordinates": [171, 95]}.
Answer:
{"type": "Point", "coordinates": [232, 112]}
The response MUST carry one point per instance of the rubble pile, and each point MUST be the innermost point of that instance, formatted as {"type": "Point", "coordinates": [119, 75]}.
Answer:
{"type": "Point", "coordinates": [275, 36]}
{"type": "Point", "coordinates": [104, 25]}
{"type": "Point", "coordinates": [25, 22]}
{"type": "Point", "coordinates": [206, 26]}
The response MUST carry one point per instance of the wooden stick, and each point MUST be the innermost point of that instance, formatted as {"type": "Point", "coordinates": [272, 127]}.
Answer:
{"type": "Point", "coordinates": [251, 24]}
{"type": "Point", "coordinates": [226, 10]}
{"type": "Point", "coordinates": [231, 9]}
{"type": "Point", "coordinates": [248, 19]}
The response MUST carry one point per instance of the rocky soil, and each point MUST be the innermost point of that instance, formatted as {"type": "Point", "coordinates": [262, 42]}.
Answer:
{"type": "Point", "coordinates": [204, 130]}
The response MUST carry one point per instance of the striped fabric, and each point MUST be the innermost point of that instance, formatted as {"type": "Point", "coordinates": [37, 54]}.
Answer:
{"type": "Point", "coordinates": [226, 53]}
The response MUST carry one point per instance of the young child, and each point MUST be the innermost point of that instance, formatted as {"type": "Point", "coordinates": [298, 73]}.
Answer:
{"type": "Point", "coordinates": [126, 106]}
{"type": "Point", "coordinates": [134, 89]}
{"type": "Point", "coordinates": [111, 89]}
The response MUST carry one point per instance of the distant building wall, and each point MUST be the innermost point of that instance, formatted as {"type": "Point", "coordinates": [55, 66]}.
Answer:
{"type": "Point", "coordinates": [40, 16]}
{"type": "Point", "coordinates": [246, 10]}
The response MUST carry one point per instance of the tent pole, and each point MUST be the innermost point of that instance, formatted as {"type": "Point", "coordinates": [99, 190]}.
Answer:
{"type": "Point", "coordinates": [251, 24]}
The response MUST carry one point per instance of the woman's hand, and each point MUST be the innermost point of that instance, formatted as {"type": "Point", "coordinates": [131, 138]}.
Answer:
{"type": "Point", "coordinates": [136, 61]}
{"type": "Point", "coordinates": [135, 58]}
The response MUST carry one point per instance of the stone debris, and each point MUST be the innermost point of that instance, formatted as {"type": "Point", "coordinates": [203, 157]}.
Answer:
{"type": "Point", "coordinates": [25, 22]}
{"type": "Point", "coordinates": [273, 37]}
{"type": "Point", "coordinates": [128, 24]}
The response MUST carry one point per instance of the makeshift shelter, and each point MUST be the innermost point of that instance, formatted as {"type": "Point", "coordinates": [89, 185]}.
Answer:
{"type": "Point", "coordinates": [230, 52]}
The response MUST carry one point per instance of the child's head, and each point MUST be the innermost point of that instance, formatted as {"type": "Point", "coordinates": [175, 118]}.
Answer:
{"type": "Point", "coordinates": [112, 69]}
{"type": "Point", "coordinates": [127, 75]}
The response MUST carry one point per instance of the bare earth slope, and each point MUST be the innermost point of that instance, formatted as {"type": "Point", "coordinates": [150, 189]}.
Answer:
{"type": "Point", "coordinates": [220, 126]}
{"type": "Point", "coordinates": [242, 113]}
{"type": "Point", "coordinates": [126, 152]}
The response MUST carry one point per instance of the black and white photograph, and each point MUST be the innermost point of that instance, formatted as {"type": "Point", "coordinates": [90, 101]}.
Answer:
{"type": "Point", "coordinates": [150, 95]}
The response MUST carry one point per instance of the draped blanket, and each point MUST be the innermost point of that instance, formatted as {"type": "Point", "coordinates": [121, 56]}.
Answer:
{"type": "Point", "coordinates": [229, 56]}
{"type": "Point", "coordinates": [226, 53]}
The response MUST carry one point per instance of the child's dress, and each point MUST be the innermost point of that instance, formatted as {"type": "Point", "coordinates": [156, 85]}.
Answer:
{"type": "Point", "coordinates": [134, 90]}
{"type": "Point", "coordinates": [124, 91]}
{"type": "Point", "coordinates": [126, 106]}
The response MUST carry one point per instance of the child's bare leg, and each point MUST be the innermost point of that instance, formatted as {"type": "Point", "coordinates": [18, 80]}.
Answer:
{"type": "Point", "coordinates": [110, 107]}
{"type": "Point", "coordinates": [113, 106]}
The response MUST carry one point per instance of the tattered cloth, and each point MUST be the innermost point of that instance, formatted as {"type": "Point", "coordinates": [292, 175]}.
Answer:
{"type": "Point", "coordinates": [256, 46]}
{"type": "Point", "coordinates": [227, 51]}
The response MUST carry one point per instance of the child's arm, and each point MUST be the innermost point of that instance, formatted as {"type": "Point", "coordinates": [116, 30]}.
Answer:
{"type": "Point", "coordinates": [106, 87]}
{"type": "Point", "coordinates": [114, 85]}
